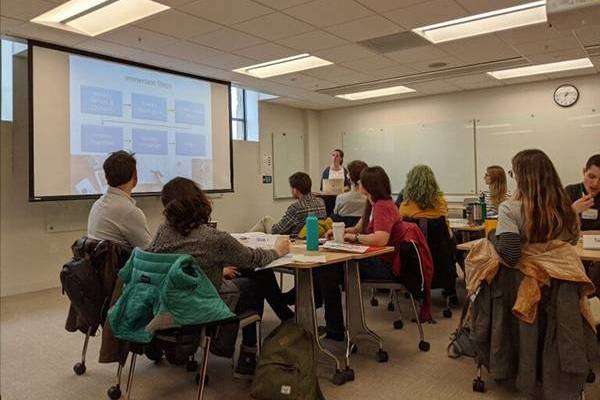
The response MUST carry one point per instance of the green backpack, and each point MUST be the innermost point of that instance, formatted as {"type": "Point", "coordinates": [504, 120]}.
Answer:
{"type": "Point", "coordinates": [287, 367]}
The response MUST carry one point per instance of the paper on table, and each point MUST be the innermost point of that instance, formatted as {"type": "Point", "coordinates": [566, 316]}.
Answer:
{"type": "Point", "coordinates": [352, 248]}
{"type": "Point", "coordinates": [293, 258]}
{"type": "Point", "coordinates": [257, 240]}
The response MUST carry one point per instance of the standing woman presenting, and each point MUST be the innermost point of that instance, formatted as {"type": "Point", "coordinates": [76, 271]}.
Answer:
{"type": "Point", "coordinates": [336, 169]}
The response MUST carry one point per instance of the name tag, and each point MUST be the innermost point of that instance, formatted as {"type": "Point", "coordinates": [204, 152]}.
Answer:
{"type": "Point", "coordinates": [592, 213]}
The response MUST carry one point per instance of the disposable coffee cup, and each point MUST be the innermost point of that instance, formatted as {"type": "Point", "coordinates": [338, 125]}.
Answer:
{"type": "Point", "coordinates": [338, 232]}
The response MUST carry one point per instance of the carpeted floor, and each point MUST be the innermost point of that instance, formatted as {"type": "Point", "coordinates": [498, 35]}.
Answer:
{"type": "Point", "coordinates": [37, 356]}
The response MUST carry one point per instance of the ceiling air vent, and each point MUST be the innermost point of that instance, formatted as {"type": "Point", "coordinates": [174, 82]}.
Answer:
{"type": "Point", "coordinates": [395, 42]}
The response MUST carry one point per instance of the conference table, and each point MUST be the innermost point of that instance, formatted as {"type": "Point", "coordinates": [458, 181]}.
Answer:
{"type": "Point", "coordinates": [356, 327]}
{"type": "Point", "coordinates": [584, 254]}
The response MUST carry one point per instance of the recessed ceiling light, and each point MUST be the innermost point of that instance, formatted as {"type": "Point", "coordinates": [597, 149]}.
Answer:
{"type": "Point", "coordinates": [283, 66]}
{"type": "Point", "coordinates": [493, 21]}
{"type": "Point", "coordinates": [367, 94]}
{"type": "Point", "coordinates": [542, 68]}
{"type": "Point", "coordinates": [93, 17]}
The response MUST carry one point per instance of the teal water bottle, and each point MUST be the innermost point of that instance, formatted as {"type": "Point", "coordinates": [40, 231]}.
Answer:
{"type": "Point", "coordinates": [312, 233]}
{"type": "Point", "coordinates": [483, 207]}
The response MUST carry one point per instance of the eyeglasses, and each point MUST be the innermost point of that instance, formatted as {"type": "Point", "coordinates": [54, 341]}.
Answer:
{"type": "Point", "coordinates": [511, 174]}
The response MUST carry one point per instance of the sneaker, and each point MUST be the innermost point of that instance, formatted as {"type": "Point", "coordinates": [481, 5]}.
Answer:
{"type": "Point", "coordinates": [323, 333]}
{"type": "Point", "coordinates": [246, 365]}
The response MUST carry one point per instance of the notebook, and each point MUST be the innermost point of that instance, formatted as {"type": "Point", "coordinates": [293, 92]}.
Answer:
{"type": "Point", "coordinates": [333, 186]}
{"type": "Point", "coordinates": [351, 248]}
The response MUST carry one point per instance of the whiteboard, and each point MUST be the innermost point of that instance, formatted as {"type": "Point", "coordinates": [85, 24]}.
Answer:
{"type": "Point", "coordinates": [447, 147]}
{"type": "Point", "coordinates": [288, 158]}
{"type": "Point", "coordinates": [568, 136]}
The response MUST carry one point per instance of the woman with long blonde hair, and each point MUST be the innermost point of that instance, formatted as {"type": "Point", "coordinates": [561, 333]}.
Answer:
{"type": "Point", "coordinates": [495, 178]}
{"type": "Point", "coordinates": [539, 212]}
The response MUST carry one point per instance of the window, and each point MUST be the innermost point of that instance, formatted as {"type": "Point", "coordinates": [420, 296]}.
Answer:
{"type": "Point", "coordinates": [9, 48]}
{"type": "Point", "coordinates": [244, 114]}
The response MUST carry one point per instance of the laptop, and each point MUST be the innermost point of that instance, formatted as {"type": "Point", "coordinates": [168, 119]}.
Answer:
{"type": "Point", "coordinates": [333, 186]}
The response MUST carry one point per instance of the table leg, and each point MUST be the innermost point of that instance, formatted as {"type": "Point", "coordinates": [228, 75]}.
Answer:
{"type": "Point", "coordinates": [356, 324]}
{"type": "Point", "coordinates": [307, 317]}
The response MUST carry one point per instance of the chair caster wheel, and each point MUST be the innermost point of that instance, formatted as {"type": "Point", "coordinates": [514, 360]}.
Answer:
{"type": "Point", "coordinates": [382, 356]}
{"type": "Point", "coordinates": [197, 378]}
{"type": "Point", "coordinates": [591, 378]}
{"type": "Point", "coordinates": [79, 368]}
{"type": "Point", "coordinates": [447, 313]}
{"type": "Point", "coordinates": [478, 385]}
{"type": "Point", "coordinates": [398, 324]}
{"type": "Point", "coordinates": [391, 306]}
{"type": "Point", "coordinates": [114, 392]}
{"type": "Point", "coordinates": [191, 366]}
{"type": "Point", "coordinates": [424, 346]}
{"type": "Point", "coordinates": [339, 378]}
{"type": "Point", "coordinates": [349, 372]}
{"type": "Point", "coordinates": [374, 302]}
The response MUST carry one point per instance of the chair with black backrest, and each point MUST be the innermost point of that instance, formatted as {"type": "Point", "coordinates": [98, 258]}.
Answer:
{"type": "Point", "coordinates": [442, 248]}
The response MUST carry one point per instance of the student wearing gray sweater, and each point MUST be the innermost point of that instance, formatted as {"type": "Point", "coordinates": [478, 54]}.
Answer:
{"type": "Point", "coordinates": [227, 263]}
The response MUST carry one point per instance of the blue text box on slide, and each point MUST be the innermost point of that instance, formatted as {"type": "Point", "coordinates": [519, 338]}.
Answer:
{"type": "Point", "coordinates": [188, 112]}
{"type": "Point", "coordinates": [101, 139]}
{"type": "Point", "coordinates": [100, 101]}
{"type": "Point", "coordinates": [147, 141]}
{"type": "Point", "coordinates": [190, 144]}
{"type": "Point", "coordinates": [148, 107]}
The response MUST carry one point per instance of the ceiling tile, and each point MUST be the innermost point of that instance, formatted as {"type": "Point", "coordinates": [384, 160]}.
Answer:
{"type": "Point", "coordinates": [427, 13]}
{"type": "Point", "coordinates": [423, 66]}
{"type": "Point", "coordinates": [188, 51]}
{"type": "Point", "coordinates": [273, 26]}
{"type": "Point", "coordinates": [393, 72]}
{"type": "Point", "coordinates": [228, 61]}
{"type": "Point", "coordinates": [387, 5]}
{"type": "Point", "coordinates": [481, 6]}
{"type": "Point", "coordinates": [474, 81]}
{"type": "Point", "coordinates": [30, 30]}
{"type": "Point", "coordinates": [24, 10]}
{"type": "Point", "coordinates": [479, 49]}
{"type": "Point", "coordinates": [312, 41]}
{"type": "Point", "coordinates": [158, 60]}
{"type": "Point", "coordinates": [206, 71]}
{"type": "Point", "coordinates": [370, 63]}
{"type": "Point", "coordinates": [137, 37]}
{"type": "Point", "coordinates": [547, 46]}
{"type": "Point", "coordinates": [328, 12]}
{"type": "Point", "coordinates": [569, 74]}
{"type": "Point", "coordinates": [345, 53]}
{"type": "Point", "coordinates": [590, 35]}
{"type": "Point", "coordinates": [365, 28]}
{"type": "Point", "coordinates": [175, 3]}
{"type": "Point", "coordinates": [108, 48]}
{"type": "Point", "coordinates": [227, 39]}
{"type": "Point", "coordinates": [433, 87]}
{"type": "Point", "coordinates": [7, 25]}
{"type": "Point", "coordinates": [352, 78]}
{"type": "Point", "coordinates": [226, 12]}
{"type": "Point", "coordinates": [532, 33]}
{"type": "Point", "coordinates": [178, 24]}
{"type": "Point", "coordinates": [267, 52]}
{"type": "Point", "coordinates": [417, 54]}
{"type": "Point", "coordinates": [303, 81]}
{"type": "Point", "coordinates": [329, 72]}
{"type": "Point", "coordinates": [281, 4]}
{"type": "Point", "coordinates": [556, 56]}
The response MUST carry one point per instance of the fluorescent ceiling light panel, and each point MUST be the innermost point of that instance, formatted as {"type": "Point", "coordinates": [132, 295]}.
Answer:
{"type": "Point", "coordinates": [376, 93]}
{"type": "Point", "coordinates": [493, 21]}
{"type": "Point", "coordinates": [93, 17]}
{"type": "Point", "coordinates": [283, 66]}
{"type": "Point", "coordinates": [543, 68]}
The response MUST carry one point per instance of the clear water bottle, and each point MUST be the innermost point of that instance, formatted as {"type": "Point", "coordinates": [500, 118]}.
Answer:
{"type": "Point", "coordinates": [312, 233]}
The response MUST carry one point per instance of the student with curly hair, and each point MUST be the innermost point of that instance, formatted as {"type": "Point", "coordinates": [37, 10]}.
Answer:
{"type": "Point", "coordinates": [422, 197]}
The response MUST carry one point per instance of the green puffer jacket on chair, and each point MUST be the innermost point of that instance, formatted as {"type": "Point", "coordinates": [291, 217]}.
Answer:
{"type": "Point", "coordinates": [163, 291]}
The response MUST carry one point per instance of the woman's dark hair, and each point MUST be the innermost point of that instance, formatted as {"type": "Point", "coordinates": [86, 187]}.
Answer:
{"type": "Point", "coordinates": [355, 168]}
{"type": "Point", "coordinates": [593, 161]}
{"type": "Point", "coordinates": [341, 154]}
{"type": "Point", "coordinates": [376, 182]}
{"type": "Point", "coordinates": [186, 205]}
{"type": "Point", "coordinates": [546, 206]}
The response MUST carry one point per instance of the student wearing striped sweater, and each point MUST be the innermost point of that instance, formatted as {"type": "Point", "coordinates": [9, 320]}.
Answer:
{"type": "Point", "coordinates": [540, 210]}
{"type": "Point", "coordinates": [495, 178]}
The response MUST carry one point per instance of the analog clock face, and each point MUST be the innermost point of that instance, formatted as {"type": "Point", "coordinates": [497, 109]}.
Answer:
{"type": "Point", "coordinates": [566, 95]}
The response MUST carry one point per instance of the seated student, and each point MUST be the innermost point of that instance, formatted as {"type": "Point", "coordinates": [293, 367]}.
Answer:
{"type": "Point", "coordinates": [186, 230]}
{"type": "Point", "coordinates": [295, 216]}
{"type": "Point", "coordinates": [422, 197]}
{"type": "Point", "coordinates": [586, 195]}
{"type": "Point", "coordinates": [352, 203]}
{"type": "Point", "coordinates": [495, 178]}
{"type": "Point", "coordinates": [540, 210]}
{"type": "Point", "coordinates": [114, 216]}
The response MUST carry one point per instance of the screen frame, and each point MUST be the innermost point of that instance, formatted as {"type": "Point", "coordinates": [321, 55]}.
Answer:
{"type": "Point", "coordinates": [35, 43]}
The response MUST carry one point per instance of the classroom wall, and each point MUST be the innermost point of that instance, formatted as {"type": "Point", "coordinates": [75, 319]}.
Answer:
{"type": "Point", "coordinates": [36, 237]}
{"type": "Point", "coordinates": [519, 99]}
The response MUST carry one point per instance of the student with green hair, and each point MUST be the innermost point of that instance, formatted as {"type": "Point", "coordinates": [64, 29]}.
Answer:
{"type": "Point", "coordinates": [422, 197]}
